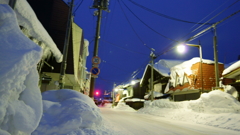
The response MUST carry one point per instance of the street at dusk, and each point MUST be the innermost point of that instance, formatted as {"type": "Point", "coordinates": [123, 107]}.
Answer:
{"type": "Point", "coordinates": [119, 67]}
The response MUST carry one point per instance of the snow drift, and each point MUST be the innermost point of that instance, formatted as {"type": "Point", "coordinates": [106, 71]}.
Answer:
{"type": "Point", "coordinates": [216, 108]}
{"type": "Point", "coordinates": [68, 112]}
{"type": "Point", "coordinates": [20, 97]}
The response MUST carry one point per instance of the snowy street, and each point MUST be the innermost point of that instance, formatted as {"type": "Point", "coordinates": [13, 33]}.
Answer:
{"type": "Point", "coordinates": [133, 123]}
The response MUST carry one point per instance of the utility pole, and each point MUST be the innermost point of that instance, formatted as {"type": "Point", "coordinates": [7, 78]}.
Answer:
{"type": "Point", "coordinates": [65, 49]}
{"type": "Point", "coordinates": [113, 95]}
{"type": "Point", "coordinates": [215, 56]}
{"type": "Point", "coordinates": [100, 5]}
{"type": "Point", "coordinates": [152, 55]}
{"type": "Point", "coordinates": [214, 44]}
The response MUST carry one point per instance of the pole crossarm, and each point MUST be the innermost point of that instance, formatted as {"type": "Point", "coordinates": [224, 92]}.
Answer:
{"type": "Point", "coordinates": [212, 26]}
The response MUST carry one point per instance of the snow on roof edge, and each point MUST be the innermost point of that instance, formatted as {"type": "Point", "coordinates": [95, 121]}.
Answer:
{"type": "Point", "coordinates": [27, 18]}
{"type": "Point", "coordinates": [231, 68]}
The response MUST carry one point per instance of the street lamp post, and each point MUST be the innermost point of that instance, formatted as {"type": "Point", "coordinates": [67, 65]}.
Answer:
{"type": "Point", "coordinates": [200, 54]}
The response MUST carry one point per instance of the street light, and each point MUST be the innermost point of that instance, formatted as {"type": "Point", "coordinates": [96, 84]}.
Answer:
{"type": "Point", "coordinates": [181, 48]}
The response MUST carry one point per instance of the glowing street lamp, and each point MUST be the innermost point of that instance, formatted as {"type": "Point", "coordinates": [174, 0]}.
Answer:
{"type": "Point", "coordinates": [181, 48]}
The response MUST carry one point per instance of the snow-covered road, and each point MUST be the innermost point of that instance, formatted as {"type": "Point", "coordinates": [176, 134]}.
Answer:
{"type": "Point", "coordinates": [132, 123]}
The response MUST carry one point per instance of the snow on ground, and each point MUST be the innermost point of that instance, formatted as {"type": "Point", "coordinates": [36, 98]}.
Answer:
{"type": "Point", "coordinates": [217, 108]}
{"type": "Point", "coordinates": [70, 112]}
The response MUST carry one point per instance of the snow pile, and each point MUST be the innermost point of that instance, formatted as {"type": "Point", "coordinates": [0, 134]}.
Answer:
{"type": "Point", "coordinates": [123, 106]}
{"type": "Point", "coordinates": [134, 100]}
{"type": "Point", "coordinates": [231, 68]}
{"type": "Point", "coordinates": [155, 94]}
{"type": "Point", "coordinates": [69, 112]}
{"type": "Point", "coordinates": [230, 90]}
{"type": "Point", "coordinates": [20, 97]}
{"type": "Point", "coordinates": [106, 105]}
{"type": "Point", "coordinates": [216, 108]}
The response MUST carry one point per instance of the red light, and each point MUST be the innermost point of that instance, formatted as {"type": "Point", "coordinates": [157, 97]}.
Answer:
{"type": "Point", "coordinates": [97, 93]}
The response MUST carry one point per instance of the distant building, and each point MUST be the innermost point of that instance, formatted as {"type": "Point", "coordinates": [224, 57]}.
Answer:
{"type": "Point", "coordinates": [53, 15]}
{"type": "Point", "coordinates": [161, 71]}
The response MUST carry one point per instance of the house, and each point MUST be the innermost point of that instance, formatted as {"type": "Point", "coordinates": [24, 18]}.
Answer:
{"type": "Point", "coordinates": [130, 93]}
{"type": "Point", "coordinates": [161, 71]}
{"type": "Point", "coordinates": [54, 19]}
{"type": "Point", "coordinates": [231, 76]}
{"type": "Point", "coordinates": [185, 79]}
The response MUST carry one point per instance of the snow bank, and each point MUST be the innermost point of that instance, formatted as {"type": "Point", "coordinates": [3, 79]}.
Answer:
{"type": "Point", "coordinates": [69, 112]}
{"type": "Point", "coordinates": [216, 108]}
{"type": "Point", "coordinates": [20, 97]}
{"type": "Point", "coordinates": [155, 94]}
{"type": "Point", "coordinates": [123, 106]}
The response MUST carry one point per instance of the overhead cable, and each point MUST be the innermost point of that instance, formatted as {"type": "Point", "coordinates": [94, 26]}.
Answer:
{"type": "Point", "coordinates": [216, 15]}
{"type": "Point", "coordinates": [148, 25]}
{"type": "Point", "coordinates": [132, 26]}
{"type": "Point", "coordinates": [78, 6]}
{"type": "Point", "coordinates": [122, 47]}
{"type": "Point", "coordinates": [165, 16]}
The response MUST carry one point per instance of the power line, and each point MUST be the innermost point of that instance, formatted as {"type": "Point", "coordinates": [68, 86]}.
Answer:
{"type": "Point", "coordinates": [194, 37]}
{"type": "Point", "coordinates": [132, 26]}
{"type": "Point", "coordinates": [165, 16]}
{"type": "Point", "coordinates": [202, 33]}
{"type": "Point", "coordinates": [122, 47]}
{"type": "Point", "coordinates": [213, 17]}
{"type": "Point", "coordinates": [147, 25]}
{"type": "Point", "coordinates": [78, 7]}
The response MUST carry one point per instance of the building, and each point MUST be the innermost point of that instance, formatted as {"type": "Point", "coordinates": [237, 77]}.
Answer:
{"type": "Point", "coordinates": [231, 76]}
{"type": "Point", "coordinates": [185, 79]}
{"type": "Point", "coordinates": [161, 75]}
{"type": "Point", "coordinates": [54, 19]}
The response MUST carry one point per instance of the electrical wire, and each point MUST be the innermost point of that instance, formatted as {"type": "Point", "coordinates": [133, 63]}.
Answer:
{"type": "Point", "coordinates": [170, 47]}
{"type": "Point", "coordinates": [209, 14]}
{"type": "Point", "coordinates": [77, 7]}
{"type": "Point", "coordinates": [146, 24]}
{"type": "Point", "coordinates": [122, 47]}
{"type": "Point", "coordinates": [165, 16]}
{"type": "Point", "coordinates": [213, 17]}
{"type": "Point", "coordinates": [132, 26]}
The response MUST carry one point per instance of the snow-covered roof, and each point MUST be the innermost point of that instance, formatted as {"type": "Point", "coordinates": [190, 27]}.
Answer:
{"type": "Point", "coordinates": [185, 67]}
{"type": "Point", "coordinates": [163, 66]}
{"type": "Point", "coordinates": [27, 18]}
{"type": "Point", "coordinates": [231, 68]}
